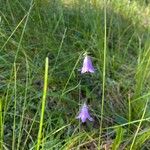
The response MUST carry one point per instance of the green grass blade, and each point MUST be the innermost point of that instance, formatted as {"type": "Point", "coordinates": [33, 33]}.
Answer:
{"type": "Point", "coordinates": [1, 126]}
{"type": "Point", "coordinates": [43, 105]}
{"type": "Point", "coordinates": [24, 106]}
{"type": "Point", "coordinates": [118, 139]}
{"type": "Point", "coordinates": [104, 72]}
{"type": "Point", "coordinates": [15, 105]}
{"type": "Point", "coordinates": [138, 128]}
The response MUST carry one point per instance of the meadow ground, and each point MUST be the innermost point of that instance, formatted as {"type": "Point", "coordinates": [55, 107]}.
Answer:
{"type": "Point", "coordinates": [42, 43]}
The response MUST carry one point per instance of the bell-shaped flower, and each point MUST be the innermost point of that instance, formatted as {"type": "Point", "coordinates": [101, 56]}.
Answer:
{"type": "Point", "coordinates": [87, 65]}
{"type": "Point", "coordinates": [84, 114]}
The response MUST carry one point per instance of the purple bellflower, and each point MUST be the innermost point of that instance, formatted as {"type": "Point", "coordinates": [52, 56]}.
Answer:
{"type": "Point", "coordinates": [84, 114]}
{"type": "Point", "coordinates": [87, 65]}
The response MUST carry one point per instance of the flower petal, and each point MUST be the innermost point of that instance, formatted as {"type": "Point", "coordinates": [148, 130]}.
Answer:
{"type": "Point", "coordinates": [84, 114]}
{"type": "Point", "coordinates": [87, 65]}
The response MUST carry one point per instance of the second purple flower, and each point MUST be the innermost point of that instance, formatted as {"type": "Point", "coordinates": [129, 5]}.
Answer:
{"type": "Point", "coordinates": [84, 114]}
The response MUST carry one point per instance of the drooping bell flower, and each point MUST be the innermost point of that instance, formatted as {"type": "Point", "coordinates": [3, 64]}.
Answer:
{"type": "Point", "coordinates": [87, 65]}
{"type": "Point", "coordinates": [84, 114]}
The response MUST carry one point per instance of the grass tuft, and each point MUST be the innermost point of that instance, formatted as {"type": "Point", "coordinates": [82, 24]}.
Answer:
{"type": "Point", "coordinates": [37, 114]}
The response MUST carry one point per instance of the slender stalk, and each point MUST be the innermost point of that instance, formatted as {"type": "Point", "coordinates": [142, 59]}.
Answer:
{"type": "Point", "coordinates": [23, 31]}
{"type": "Point", "coordinates": [15, 104]}
{"type": "Point", "coordinates": [78, 148]}
{"type": "Point", "coordinates": [24, 105]}
{"type": "Point", "coordinates": [138, 128]}
{"type": "Point", "coordinates": [104, 74]}
{"type": "Point", "coordinates": [63, 91]}
{"type": "Point", "coordinates": [29, 131]}
{"type": "Point", "coordinates": [1, 126]}
{"type": "Point", "coordinates": [43, 105]}
{"type": "Point", "coordinates": [129, 111]}
{"type": "Point", "coordinates": [127, 124]}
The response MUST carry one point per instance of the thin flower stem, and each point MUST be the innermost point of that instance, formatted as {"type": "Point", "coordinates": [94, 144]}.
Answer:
{"type": "Point", "coordinates": [79, 109]}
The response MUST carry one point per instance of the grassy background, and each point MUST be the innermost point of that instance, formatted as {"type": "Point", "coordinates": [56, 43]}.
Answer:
{"type": "Point", "coordinates": [115, 33]}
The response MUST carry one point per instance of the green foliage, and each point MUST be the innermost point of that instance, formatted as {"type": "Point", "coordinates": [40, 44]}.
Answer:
{"type": "Point", "coordinates": [118, 139]}
{"type": "Point", "coordinates": [115, 33]}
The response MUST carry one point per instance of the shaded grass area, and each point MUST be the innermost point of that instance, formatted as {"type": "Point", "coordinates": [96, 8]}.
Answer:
{"type": "Point", "coordinates": [32, 31]}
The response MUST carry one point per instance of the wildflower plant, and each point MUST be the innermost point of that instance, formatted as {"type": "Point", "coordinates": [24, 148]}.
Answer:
{"type": "Point", "coordinates": [87, 67]}
{"type": "Point", "coordinates": [84, 114]}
